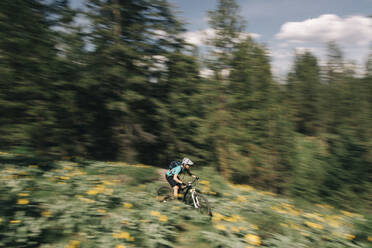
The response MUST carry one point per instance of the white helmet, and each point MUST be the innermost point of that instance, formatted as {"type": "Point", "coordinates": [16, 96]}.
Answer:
{"type": "Point", "coordinates": [187, 161]}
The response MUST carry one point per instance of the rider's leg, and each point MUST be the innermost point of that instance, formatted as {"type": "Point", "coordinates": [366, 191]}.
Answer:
{"type": "Point", "coordinates": [175, 192]}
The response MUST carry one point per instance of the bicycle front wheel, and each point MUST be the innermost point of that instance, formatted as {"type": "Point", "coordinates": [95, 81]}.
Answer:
{"type": "Point", "coordinates": [164, 193]}
{"type": "Point", "coordinates": [202, 204]}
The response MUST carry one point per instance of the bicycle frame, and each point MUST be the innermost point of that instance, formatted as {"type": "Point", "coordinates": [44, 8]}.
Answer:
{"type": "Point", "coordinates": [193, 192]}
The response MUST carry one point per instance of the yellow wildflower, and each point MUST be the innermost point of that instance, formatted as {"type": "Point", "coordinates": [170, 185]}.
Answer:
{"type": "Point", "coordinates": [237, 217]}
{"type": "Point", "coordinates": [92, 192]}
{"type": "Point", "coordinates": [333, 221]}
{"type": "Point", "coordinates": [234, 229]}
{"type": "Point", "coordinates": [370, 238]}
{"type": "Point", "coordinates": [46, 213]}
{"type": "Point", "coordinates": [1, 220]}
{"type": "Point", "coordinates": [22, 201]}
{"type": "Point", "coordinates": [233, 218]}
{"type": "Point", "coordinates": [284, 225]}
{"type": "Point", "coordinates": [314, 216]}
{"type": "Point", "coordinates": [279, 210]}
{"type": "Point", "coordinates": [313, 225]}
{"type": "Point", "coordinates": [15, 221]}
{"type": "Point", "coordinates": [120, 246]}
{"type": "Point", "coordinates": [107, 182]}
{"type": "Point", "coordinates": [204, 182]}
{"type": "Point", "coordinates": [155, 213]}
{"type": "Point", "coordinates": [73, 244]}
{"type": "Point", "coordinates": [324, 206]}
{"type": "Point", "coordinates": [253, 239]}
{"type": "Point", "coordinates": [349, 236]}
{"type": "Point", "coordinates": [102, 211]}
{"type": "Point", "coordinates": [64, 177]}
{"type": "Point", "coordinates": [127, 205]}
{"type": "Point", "coordinates": [348, 214]}
{"type": "Point", "coordinates": [67, 167]}
{"type": "Point", "coordinates": [230, 219]}
{"type": "Point", "coordinates": [293, 212]}
{"type": "Point", "coordinates": [163, 218]}
{"type": "Point", "coordinates": [268, 193]}
{"type": "Point", "coordinates": [123, 235]}
{"type": "Point", "coordinates": [23, 194]}
{"type": "Point", "coordinates": [217, 217]}
{"type": "Point", "coordinates": [240, 198]}
{"type": "Point", "coordinates": [220, 227]}
{"type": "Point", "coordinates": [306, 234]}
{"type": "Point", "coordinates": [242, 187]}
{"type": "Point", "coordinates": [294, 226]}
{"type": "Point", "coordinates": [254, 227]}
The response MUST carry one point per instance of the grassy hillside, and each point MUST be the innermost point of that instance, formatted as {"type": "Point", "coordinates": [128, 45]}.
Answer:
{"type": "Point", "coordinates": [112, 204]}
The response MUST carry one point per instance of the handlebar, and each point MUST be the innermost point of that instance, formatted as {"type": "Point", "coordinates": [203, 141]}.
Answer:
{"type": "Point", "coordinates": [193, 181]}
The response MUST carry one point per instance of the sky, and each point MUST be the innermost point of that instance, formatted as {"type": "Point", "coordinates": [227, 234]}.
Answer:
{"type": "Point", "coordinates": [286, 26]}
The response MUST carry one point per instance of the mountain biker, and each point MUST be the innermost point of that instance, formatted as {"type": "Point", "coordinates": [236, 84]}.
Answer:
{"type": "Point", "coordinates": [172, 175]}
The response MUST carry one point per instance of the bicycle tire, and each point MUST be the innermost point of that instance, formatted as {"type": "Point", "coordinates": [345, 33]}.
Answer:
{"type": "Point", "coordinates": [164, 193]}
{"type": "Point", "coordinates": [204, 207]}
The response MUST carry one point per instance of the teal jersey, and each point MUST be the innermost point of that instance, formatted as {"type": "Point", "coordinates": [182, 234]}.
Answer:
{"type": "Point", "coordinates": [176, 170]}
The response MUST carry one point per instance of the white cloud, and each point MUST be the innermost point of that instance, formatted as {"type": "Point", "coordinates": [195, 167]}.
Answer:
{"type": "Point", "coordinates": [329, 27]}
{"type": "Point", "coordinates": [353, 34]}
{"type": "Point", "coordinates": [199, 38]}
{"type": "Point", "coordinates": [205, 72]}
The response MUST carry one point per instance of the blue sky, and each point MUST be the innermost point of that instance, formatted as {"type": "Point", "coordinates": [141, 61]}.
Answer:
{"type": "Point", "coordinates": [286, 26]}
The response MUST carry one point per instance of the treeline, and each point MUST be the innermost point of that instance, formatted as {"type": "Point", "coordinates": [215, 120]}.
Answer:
{"type": "Point", "coordinates": [127, 86]}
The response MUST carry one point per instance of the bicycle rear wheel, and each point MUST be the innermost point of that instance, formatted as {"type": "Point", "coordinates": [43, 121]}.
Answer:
{"type": "Point", "coordinates": [164, 193]}
{"type": "Point", "coordinates": [203, 204]}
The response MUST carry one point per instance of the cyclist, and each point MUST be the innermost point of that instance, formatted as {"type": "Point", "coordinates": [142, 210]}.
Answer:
{"type": "Point", "coordinates": [172, 175]}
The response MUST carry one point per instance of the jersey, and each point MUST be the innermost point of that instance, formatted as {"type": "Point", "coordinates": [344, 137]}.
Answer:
{"type": "Point", "coordinates": [175, 170]}
{"type": "Point", "coordinates": [178, 170]}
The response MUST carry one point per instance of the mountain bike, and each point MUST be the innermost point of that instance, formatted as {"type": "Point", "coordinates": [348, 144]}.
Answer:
{"type": "Point", "coordinates": [191, 197]}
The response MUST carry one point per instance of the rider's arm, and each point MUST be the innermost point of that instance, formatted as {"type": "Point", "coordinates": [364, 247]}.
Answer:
{"type": "Point", "coordinates": [175, 178]}
{"type": "Point", "coordinates": [190, 174]}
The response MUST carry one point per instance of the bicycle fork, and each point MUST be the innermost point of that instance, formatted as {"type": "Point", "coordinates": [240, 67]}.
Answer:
{"type": "Point", "coordinates": [194, 199]}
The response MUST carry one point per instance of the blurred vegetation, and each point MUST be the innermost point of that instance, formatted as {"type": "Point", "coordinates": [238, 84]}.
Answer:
{"type": "Point", "coordinates": [106, 204]}
{"type": "Point", "coordinates": [124, 85]}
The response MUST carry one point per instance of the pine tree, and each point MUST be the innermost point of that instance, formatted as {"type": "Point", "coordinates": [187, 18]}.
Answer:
{"type": "Point", "coordinates": [263, 136]}
{"type": "Point", "coordinates": [27, 59]}
{"type": "Point", "coordinates": [130, 38]}
{"type": "Point", "coordinates": [304, 89]}
{"type": "Point", "coordinates": [227, 25]}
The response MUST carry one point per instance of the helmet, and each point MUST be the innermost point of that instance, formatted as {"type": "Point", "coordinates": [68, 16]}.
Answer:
{"type": "Point", "coordinates": [187, 161]}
